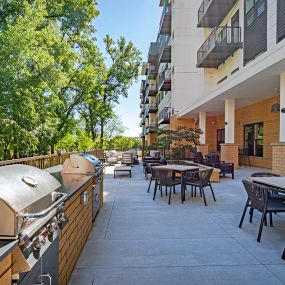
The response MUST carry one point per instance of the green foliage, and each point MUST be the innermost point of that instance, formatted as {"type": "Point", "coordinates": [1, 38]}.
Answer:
{"type": "Point", "coordinates": [124, 143]}
{"type": "Point", "coordinates": [55, 88]}
{"type": "Point", "coordinates": [178, 140]}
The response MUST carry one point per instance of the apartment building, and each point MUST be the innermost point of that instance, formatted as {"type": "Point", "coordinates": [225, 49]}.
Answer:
{"type": "Point", "coordinates": [228, 76]}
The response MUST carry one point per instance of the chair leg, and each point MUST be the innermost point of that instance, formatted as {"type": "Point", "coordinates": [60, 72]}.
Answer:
{"type": "Point", "coordinates": [160, 188]}
{"type": "Point", "coordinates": [261, 226]}
{"type": "Point", "coordinates": [149, 185]}
{"type": "Point", "coordinates": [166, 191]}
{"type": "Point", "coordinates": [154, 191]}
{"type": "Point", "coordinates": [271, 219]}
{"type": "Point", "coordinates": [174, 191]}
{"type": "Point", "coordinates": [169, 199]}
{"type": "Point", "coordinates": [233, 175]}
{"type": "Point", "coordinates": [243, 213]}
{"type": "Point", "coordinates": [265, 220]}
{"type": "Point", "coordinates": [212, 191]}
{"type": "Point", "coordinates": [203, 194]}
{"type": "Point", "coordinates": [251, 215]}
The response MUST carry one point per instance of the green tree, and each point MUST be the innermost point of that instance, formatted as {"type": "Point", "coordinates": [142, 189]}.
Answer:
{"type": "Point", "coordinates": [124, 69]}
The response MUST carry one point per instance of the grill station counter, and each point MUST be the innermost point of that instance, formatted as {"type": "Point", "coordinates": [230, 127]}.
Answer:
{"type": "Point", "coordinates": [81, 177]}
{"type": "Point", "coordinates": [52, 216]}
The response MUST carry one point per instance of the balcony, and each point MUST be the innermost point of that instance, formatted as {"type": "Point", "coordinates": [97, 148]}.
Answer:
{"type": "Point", "coordinates": [153, 53]}
{"type": "Point", "coordinates": [212, 12]}
{"type": "Point", "coordinates": [142, 122]}
{"type": "Point", "coordinates": [151, 89]}
{"type": "Point", "coordinates": [221, 44]}
{"type": "Point", "coordinates": [144, 69]}
{"type": "Point", "coordinates": [164, 116]}
{"type": "Point", "coordinates": [146, 113]}
{"type": "Point", "coordinates": [164, 80]}
{"type": "Point", "coordinates": [152, 71]}
{"type": "Point", "coordinates": [151, 128]}
{"type": "Point", "coordinates": [152, 108]}
{"type": "Point", "coordinates": [164, 49]}
{"type": "Point", "coordinates": [165, 21]}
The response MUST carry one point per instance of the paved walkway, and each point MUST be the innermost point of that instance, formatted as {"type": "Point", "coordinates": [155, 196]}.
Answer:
{"type": "Point", "coordinates": [138, 241]}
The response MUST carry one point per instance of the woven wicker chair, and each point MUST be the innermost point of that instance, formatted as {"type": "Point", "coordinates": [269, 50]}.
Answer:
{"type": "Point", "coordinates": [259, 199]}
{"type": "Point", "coordinates": [165, 178]}
{"type": "Point", "coordinates": [152, 171]}
{"type": "Point", "coordinates": [200, 180]}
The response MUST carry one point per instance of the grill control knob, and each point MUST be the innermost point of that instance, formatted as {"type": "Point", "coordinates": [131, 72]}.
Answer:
{"type": "Point", "coordinates": [62, 218]}
{"type": "Point", "coordinates": [39, 242]}
{"type": "Point", "coordinates": [52, 227]}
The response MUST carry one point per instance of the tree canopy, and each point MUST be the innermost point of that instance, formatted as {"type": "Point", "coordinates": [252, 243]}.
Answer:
{"type": "Point", "coordinates": [55, 85]}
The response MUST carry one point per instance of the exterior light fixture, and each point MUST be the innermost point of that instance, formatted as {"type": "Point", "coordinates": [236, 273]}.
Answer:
{"type": "Point", "coordinates": [275, 108]}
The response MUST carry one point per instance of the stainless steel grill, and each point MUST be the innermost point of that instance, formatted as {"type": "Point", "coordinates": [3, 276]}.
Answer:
{"type": "Point", "coordinates": [87, 164]}
{"type": "Point", "coordinates": [83, 163]}
{"type": "Point", "coordinates": [32, 208]}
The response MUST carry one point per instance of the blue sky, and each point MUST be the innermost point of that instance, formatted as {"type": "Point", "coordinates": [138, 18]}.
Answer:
{"type": "Point", "coordinates": [137, 21]}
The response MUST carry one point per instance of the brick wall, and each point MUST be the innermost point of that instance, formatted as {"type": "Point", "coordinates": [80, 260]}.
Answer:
{"type": "Point", "coordinates": [258, 112]}
{"type": "Point", "coordinates": [229, 153]}
{"type": "Point", "coordinates": [76, 232]}
{"type": "Point", "coordinates": [278, 158]}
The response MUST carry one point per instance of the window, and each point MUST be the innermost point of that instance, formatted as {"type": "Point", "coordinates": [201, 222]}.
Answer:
{"type": "Point", "coordinates": [254, 9]}
{"type": "Point", "coordinates": [253, 139]}
{"type": "Point", "coordinates": [249, 5]}
{"type": "Point", "coordinates": [220, 138]}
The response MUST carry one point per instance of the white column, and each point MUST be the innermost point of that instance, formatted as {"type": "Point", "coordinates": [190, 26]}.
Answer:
{"type": "Point", "coordinates": [282, 105]}
{"type": "Point", "coordinates": [230, 121]}
{"type": "Point", "coordinates": [202, 127]}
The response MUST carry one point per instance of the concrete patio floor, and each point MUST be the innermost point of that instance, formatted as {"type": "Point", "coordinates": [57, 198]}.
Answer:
{"type": "Point", "coordinates": [137, 241]}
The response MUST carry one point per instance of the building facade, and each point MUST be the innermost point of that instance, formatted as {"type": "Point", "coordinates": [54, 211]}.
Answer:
{"type": "Point", "coordinates": [227, 72]}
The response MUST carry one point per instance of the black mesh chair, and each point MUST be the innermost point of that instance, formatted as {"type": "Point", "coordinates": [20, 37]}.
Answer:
{"type": "Point", "coordinates": [165, 178]}
{"type": "Point", "coordinates": [201, 180]}
{"type": "Point", "coordinates": [213, 160]}
{"type": "Point", "coordinates": [259, 199]}
{"type": "Point", "coordinates": [198, 157]}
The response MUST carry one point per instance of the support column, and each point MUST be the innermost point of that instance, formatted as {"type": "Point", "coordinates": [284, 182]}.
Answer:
{"type": "Point", "coordinates": [229, 150]}
{"type": "Point", "coordinates": [203, 147]}
{"type": "Point", "coordinates": [202, 127]}
{"type": "Point", "coordinates": [278, 149]}
{"type": "Point", "coordinates": [230, 121]}
{"type": "Point", "coordinates": [282, 105]}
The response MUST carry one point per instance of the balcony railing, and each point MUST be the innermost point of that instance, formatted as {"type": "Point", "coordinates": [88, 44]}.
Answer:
{"type": "Point", "coordinates": [221, 43]}
{"type": "Point", "coordinates": [151, 89]}
{"type": "Point", "coordinates": [165, 21]}
{"type": "Point", "coordinates": [164, 49]}
{"type": "Point", "coordinates": [152, 71]}
{"type": "Point", "coordinates": [153, 53]}
{"type": "Point", "coordinates": [164, 116]}
{"type": "Point", "coordinates": [151, 128]}
{"type": "Point", "coordinates": [164, 80]}
{"type": "Point", "coordinates": [152, 108]}
{"type": "Point", "coordinates": [212, 12]}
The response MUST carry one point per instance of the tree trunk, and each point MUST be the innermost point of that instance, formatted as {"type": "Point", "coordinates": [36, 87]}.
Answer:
{"type": "Point", "coordinates": [101, 132]}
{"type": "Point", "coordinates": [52, 149]}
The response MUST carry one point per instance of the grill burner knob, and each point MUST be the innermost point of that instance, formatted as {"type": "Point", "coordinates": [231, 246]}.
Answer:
{"type": "Point", "coordinates": [61, 218]}
{"type": "Point", "coordinates": [39, 242]}
{"type": "Point", "coordinates": [52, 227]}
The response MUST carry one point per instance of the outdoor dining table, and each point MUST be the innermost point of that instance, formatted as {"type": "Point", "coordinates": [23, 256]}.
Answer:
{"type": "Point", "coordinates": [178, 168]}
{"type": "Point", "coordinates": [276, 182]}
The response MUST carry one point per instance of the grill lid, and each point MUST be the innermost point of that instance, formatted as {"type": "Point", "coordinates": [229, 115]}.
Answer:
{"type": "Point", "coordinates": [23, 185]}
{"type": "Point", "coordinates": [82, 163]}
{"type": "Point", "coordinates": [93, 159]}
